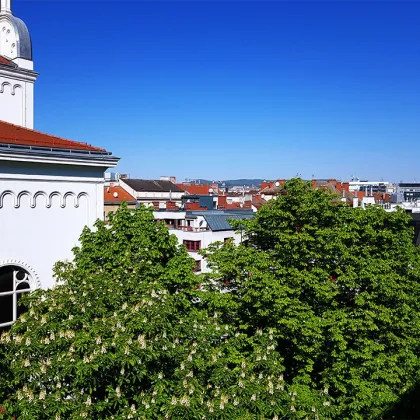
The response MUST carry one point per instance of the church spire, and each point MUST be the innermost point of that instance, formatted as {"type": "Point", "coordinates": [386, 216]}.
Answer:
{"type": "Point", "coordinates": [5, 7]}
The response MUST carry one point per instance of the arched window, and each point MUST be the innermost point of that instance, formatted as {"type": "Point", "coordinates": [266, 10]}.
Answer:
{"type": "Point", "coordinates": [14, 282]}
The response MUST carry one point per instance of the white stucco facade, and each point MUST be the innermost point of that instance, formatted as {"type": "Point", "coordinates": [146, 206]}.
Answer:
{"type": "Point", "coordinates": [196, 229]}
{"type": "Point", "coordinates": [50, 187]}
{"type": "Point", "coordinates": [206, 238]}
{"type": "Point", "coordinates": [44, 206]}
{"type": "Point", "coordinates": [17, 96]}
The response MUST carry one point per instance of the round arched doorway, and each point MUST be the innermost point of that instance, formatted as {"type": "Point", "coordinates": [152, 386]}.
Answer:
{"type": "Point", "coordinates": [14, 282]}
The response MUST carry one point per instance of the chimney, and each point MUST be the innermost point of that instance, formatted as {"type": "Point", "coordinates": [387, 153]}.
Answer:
{"type": "Point", "coordinates": [346, 186]}
{"type": "Point", "coordinates": [221, 201]}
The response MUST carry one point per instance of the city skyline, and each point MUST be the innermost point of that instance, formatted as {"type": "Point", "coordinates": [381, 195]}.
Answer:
{"type": "Point", "coordinates": [233, 90]}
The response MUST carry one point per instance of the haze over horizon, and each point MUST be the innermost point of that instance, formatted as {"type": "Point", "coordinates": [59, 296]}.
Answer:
{"type": "Point", "coordinates": [226, 90]}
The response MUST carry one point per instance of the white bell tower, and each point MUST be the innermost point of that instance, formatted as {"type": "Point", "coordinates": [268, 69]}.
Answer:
{"type": "Point", "coordinates": [16, 69]}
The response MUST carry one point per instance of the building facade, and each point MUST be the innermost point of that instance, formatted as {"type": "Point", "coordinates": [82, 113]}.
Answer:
{"type": "Point", "coordinates": [198, 229]}
{"type": "Point", "coordinates": [50, 187]}
{"type": "Point", "coordinates": [153, 193]}
{"type": "Point", "coordinates": [17, 74]}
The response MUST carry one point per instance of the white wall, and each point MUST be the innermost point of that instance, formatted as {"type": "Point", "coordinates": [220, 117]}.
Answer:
{"type": "Point", "coordinates": [43, 212]}
{"type": "Point", "coordinates": [206, 237]}
{"type": "Point", "coordinates": [17, 98]}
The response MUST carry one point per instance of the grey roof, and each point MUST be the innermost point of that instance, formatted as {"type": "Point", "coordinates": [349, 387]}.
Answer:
{"type": "Point", "coordinates": [24, 47]}
{"type": "Point", "coordinates": [219, 220]}
{"type": "Point", "coordinates": [24, 43]}
{"type": "Point", "coordinates": [152, 185]}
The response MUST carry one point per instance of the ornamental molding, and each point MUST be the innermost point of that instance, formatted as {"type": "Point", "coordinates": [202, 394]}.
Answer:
{"type": "Point", "coordinates": [85, 160]}
{"type": "Point", "coordinates": [12, 87]}
{"type": "Point", "coordinates": [42, 196]}
{"type": "Point", "coordinates": [18, 73]}
{"type": "Point", "coordinates": [34, 280]}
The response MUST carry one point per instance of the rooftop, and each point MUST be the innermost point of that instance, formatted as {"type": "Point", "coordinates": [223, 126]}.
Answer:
{"type": "Point", "coordinates": [218, 220]}
{"type": "Point", "coordinates": [116, 194]}
{"type": "Point", "coordinates": [16, 135]}
{"type": "Point", "coordinates": [6, 61]}
{"type": "Point", "coordinates": [152, 185]}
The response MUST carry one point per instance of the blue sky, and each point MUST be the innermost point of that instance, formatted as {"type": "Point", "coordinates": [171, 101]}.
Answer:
{"type": "Point", "coordinates": [232, 89]}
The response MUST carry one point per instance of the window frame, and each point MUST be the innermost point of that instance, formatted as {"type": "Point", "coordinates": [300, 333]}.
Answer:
{"type": "Point", "coordinates": [191, 245]}
{"type": "Point", "coordinates": [15, 292]}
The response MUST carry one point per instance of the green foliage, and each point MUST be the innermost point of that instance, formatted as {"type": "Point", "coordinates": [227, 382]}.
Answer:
{"type": "Point", "coordinates": [127, 333]}
{"type": "Point", "coordinates": [339, 289]}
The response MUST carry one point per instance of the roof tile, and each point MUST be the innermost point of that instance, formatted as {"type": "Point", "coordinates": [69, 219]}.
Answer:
{"type": "Point", "coordinates": [116, 194]}
{"type": "Point", "coordinates": [15, 134]}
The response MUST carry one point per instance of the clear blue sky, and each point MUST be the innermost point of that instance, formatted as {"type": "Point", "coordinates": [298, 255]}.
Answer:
{"type": "Point", "coordinates": [232, 89]}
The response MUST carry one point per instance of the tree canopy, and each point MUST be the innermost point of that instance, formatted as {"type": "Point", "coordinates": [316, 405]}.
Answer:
{"type": "Point", "coordinates": [128, 332]}
{"type": "Point", "coordinates": [338, 287]}
{"type": "Point", "coordinates": [315, 315]}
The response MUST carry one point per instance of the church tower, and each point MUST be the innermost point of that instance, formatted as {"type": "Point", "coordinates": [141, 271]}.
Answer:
{"type": "Point", "coordinates": [16, 69]}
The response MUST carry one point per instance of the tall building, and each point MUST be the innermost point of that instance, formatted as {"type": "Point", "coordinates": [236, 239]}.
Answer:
{"type": "Point", "coordinates": [50, 187]}
{"type": "Point", "coordinates": [17, 74]}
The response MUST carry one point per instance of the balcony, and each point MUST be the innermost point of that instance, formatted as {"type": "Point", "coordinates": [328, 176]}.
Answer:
{"type": "Point", "coordinates": [188, 228]}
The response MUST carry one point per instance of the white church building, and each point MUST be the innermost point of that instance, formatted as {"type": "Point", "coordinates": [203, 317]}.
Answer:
{"type": "Point", "coordinates": [50, 187]}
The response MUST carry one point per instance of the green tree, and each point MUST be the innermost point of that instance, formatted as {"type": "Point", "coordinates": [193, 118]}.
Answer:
{"type": "Point", "coordinates": [127, 333]}
{"type": "Point", "coordinates": [339, 288]}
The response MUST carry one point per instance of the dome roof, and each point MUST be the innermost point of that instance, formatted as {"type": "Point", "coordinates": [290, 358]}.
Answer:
{"type": "Point", "coordinates": [24, 45]}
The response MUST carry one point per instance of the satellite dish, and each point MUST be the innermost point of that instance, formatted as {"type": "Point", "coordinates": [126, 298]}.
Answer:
{"type": "Point", "coordinates": [115, 194]}
{"type": "Point", "coordinates": [277, 184]}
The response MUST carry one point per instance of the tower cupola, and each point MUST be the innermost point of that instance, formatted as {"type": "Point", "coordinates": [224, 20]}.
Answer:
{"type": "Point", "coordinates": [16, 69]}
{"type": "Point", "coordinates": [15, 41]}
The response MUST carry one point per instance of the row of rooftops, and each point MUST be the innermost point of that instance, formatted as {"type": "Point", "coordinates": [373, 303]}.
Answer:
{"type": "Point", "coordinates": [221, 200]}
{"type": "Point", "coordinates": [17, 139]}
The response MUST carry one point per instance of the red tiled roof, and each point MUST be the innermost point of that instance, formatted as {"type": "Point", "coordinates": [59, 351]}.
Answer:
{"type": "Point", "coordinates": [15, 134]}
{"type": "Point", "coordinates": [382, 197]}
{"type": "Point", "coordinates": [121, 195]}
{"type": "Point", "coordinates": [258, 201]}
{"type": "Point", "coordinates": [4, 60]}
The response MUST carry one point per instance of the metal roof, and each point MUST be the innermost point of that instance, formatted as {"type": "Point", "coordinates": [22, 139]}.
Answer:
{"type": "Point", "coordinates": [24, 47]}
{"type": "Point", "coordinates": [152, 185]}
{"type": "Point", "coordinates": [218, 220]}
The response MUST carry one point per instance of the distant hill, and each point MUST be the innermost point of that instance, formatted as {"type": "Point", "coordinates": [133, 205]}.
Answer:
{"type": "Point", "coordinates": [256, 182]}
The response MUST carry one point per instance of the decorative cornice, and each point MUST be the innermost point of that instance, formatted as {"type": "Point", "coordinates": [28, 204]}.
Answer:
{"type": "Point", "coordinates": [18, 73]}
{"type": "Point", "coordinates": [47, 198]}
{"type": "Point", "coordinates": [88, 160]}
